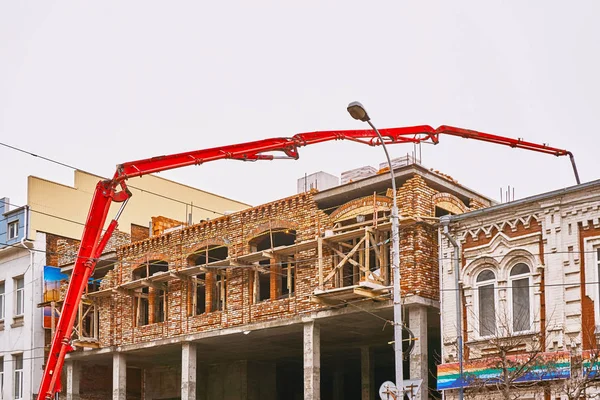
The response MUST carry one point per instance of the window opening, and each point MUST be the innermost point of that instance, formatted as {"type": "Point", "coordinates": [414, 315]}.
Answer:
{"type": "Point", "coordinates": [18, 382]}
{"type": "Point", "coordinates": [288, 279]}
{"type": "Point", "coordinates": [486, 297]}
{"type": "Point", "coordinates": [273, 279]}
{"type": "Point", "coordinates": [440, 212]}
{"type": "Point", "coordinates": [150, 303]}
{"type": "Point", "coordinates": [2, 302]}
{"type": "Point", "coordinates": [1, 377]}
{"type": "Point", "coordinates": [199, 294]}
{"type": "Point", "coordinates": [521, 302]}
{"type": "Point", "coordinates": [20, 296]}
{"type": "Point", "coordinates": [208, 289]}
{"type": "Point", "coordinates": [13, 230]}
{"type": "Point", "coordinates": [220, 290]}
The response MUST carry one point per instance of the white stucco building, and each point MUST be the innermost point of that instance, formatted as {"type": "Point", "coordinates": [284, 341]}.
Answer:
{"type": "Point", "coordinates": [59, 211]}
{"type": "Point", "coordinates": [21, 335]}
{"type": "Point", "coordinates": [529, 273]}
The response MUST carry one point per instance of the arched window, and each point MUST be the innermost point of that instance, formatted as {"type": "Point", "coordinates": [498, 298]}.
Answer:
{"type": "Point", "coordinates": [150, 304]}
{"type": "Point", "coordinates": [207, 291]}
{"type": "Point", "coordinates": [520, 285]}
{"type": "Point", "coordinates": [486, 300]}
{"type": "Point", "coordinates": [275, 279]}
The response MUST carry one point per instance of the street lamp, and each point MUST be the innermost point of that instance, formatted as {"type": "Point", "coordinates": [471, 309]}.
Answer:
{"type": "Point", "coordinates": [357, 111]}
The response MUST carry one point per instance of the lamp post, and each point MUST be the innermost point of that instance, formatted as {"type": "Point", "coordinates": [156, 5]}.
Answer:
{"type": "Point", "coordinates": [357, 111]}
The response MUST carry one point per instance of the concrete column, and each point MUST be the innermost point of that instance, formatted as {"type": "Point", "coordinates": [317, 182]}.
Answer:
{"type": "Point", "coordinates": [367, 374]}
{"type": "Point", "coordinates": [188, 371]}
{"type": "Point", "coordinates": [73, 377]}
{"type": "Point", "coordinates": [119, 376]}
{"type": "Point", "coordinates": [417, 322]}
{"type": "Point", "coordinates": [312, 361]}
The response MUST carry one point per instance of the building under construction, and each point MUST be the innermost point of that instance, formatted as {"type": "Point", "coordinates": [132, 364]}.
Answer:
{"type": "Point", "coordinates": [287, 300]}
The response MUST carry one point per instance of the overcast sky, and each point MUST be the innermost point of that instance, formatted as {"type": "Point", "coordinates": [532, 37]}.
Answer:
{"type": "Point", "coordinates": [94, 84]}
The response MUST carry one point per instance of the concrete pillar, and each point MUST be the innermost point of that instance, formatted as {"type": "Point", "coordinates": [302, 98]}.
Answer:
{"type": "Point", "coordinates": [188, 371]}
{"type": "Point", "coordinates": [417, 322]}
{"type": "Point", "coordinates": [312, 361]}
{"type": "Point", "coordinates": [73, 378]}
{"type": "Point", "coordinates": [367, 374]}
{"type": "Point", "coordinates": [119, 376]}
{"type": "Point", "coordinates": [338, 380]}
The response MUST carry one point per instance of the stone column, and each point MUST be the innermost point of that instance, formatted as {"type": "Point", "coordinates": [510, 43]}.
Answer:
{"type": "Point", "coordinates": [417, 322]}
{"type": "Point", "coordinates": [312, 361]}
{"type": "Point", "coordinates": [367, 375]}
{"type": "Point", "coordinates": [188, 371]}
{"type": "Point", "coordinates": [119, 376]}
{"type": "Point", "coordinates": [73, 377]}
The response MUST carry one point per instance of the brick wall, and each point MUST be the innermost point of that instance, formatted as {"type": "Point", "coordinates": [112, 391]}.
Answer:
{"type": "Point", "coordinates": [139, 233]}
{"type": "Point", "coordinates": [299, 213]}
{"type": "Point", "coordinates": [61, 251]}
{"type": "Point", "coordinates": [519, 229]}
{"type": "Point", "coordinates": [161, 224]}
{"type": "Point", "coordinates": [588, 317]}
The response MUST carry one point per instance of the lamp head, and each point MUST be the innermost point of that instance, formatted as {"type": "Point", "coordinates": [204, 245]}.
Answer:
{"type": "Point", "coordinates": [357, 111]}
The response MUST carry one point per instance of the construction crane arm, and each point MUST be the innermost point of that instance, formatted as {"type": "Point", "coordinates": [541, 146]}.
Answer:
{"type": "Point", "coordinates": [95, 238]}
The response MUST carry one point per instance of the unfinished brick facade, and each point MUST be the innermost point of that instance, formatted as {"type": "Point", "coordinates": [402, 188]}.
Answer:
{"type": "Point", "coordinates": [330, 245]}
{"type": "Point", "coordinates": [297, 213]}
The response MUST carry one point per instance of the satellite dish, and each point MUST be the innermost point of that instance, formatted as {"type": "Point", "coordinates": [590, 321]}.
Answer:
{"type": "Point", "coordinates": [388, 391]}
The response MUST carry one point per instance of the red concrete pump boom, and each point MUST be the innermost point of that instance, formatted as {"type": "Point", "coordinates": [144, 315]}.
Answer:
{"type": "Point", "coordinates": [93, 241]}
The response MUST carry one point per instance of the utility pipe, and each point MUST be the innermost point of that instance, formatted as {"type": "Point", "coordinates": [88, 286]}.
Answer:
{"type": "Point", "coordinates": [445, 222]}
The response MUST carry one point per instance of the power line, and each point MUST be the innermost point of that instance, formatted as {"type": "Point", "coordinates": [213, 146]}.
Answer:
{"type": "Point", "coordinates": [131, 186]}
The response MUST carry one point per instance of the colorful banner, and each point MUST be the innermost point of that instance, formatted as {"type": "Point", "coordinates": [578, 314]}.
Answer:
{"type": "Point", "coordinates": [52, 281]}
{"type": "Point", "coordinates": [591, 362]}
{"type": "Point", "coordinates": [487, 371]}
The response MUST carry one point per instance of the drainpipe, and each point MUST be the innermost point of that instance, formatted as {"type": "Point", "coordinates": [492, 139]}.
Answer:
{"type": "Point", "coordinates": [441, 270]}
{"type": "Point", "coordinates": [445, 222]}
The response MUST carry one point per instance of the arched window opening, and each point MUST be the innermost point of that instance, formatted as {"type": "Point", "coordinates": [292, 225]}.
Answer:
{"type": "Point", "coordinates": [520, 284]}
{"type": "Point", "coordinates": [207, 290]}
{"type": "Point", "coordinates": [486, 299]}
{"type": "Point", "coordinates": [275, 278]}
{"type": "Point", "coordinates": [150, 303]}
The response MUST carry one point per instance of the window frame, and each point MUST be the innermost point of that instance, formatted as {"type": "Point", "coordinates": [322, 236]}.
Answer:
{"type": "Point", "coordinates": [476, 301]}
{"type": "Point", "coordinates": [263, 272]}
{"type": "Point", "coordinates": [510, 280]}
{"type": "Point", "coordinates": [18, 376]}
{"type": "Point", "coordinates": [2, 300]}
{"type": "Point", "coordinates": [12, 235]}
{"type": "Point", "coordinates": [288, 279]}
{"type": "Point", "coordinates": [143, 313]}
{"type": "Point", "coordinates": [597, 273]}
{"type": "Point", "coordinates": [19, 296]}
{"type": "Point", "coordinates": [219, 296]}
{"type": "Point", "coordinates": [141, 309]}
{"type": "Point", "coordinates": [1, 377]}
{"type": "Point", "coordinates": [196, 282]}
